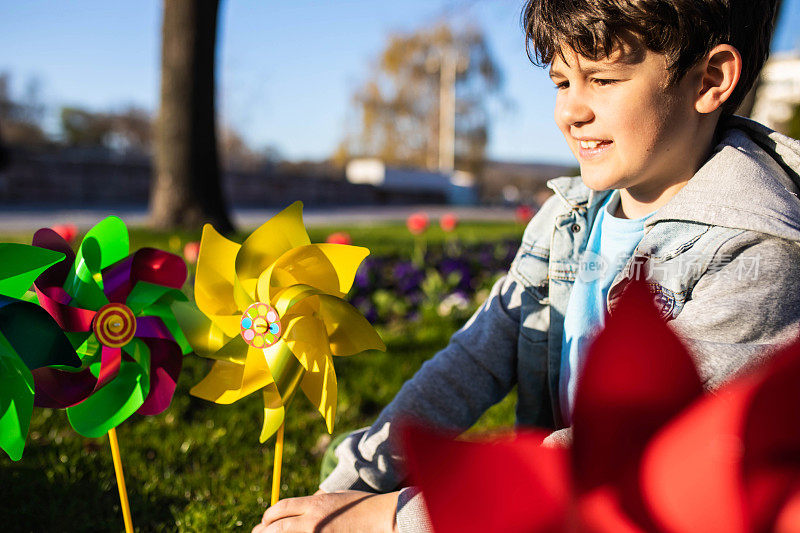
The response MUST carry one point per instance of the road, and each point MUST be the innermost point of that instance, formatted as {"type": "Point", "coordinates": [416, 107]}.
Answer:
{"type": "Point", "coordinates": [19, 219]}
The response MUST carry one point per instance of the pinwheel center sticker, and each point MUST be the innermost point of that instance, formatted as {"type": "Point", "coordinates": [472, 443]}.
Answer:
{"type": "Point", "coordinates": [261, 326]}
{"type": "Point", "coordinates": [114, 325]}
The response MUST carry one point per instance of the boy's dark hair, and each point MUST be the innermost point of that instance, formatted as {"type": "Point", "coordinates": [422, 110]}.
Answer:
{"type": "Point", "coordinates": [682, 30]}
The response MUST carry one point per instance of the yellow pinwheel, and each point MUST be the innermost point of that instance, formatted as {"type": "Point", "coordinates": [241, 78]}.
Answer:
{"type": "Point", "coordinates": [273, 315]}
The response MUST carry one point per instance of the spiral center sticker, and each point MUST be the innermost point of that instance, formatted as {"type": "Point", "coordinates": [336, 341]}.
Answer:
{"type": "Point", "coordinates": [114, 325]}
{"type": "Point", "coordinates": [261, 325]}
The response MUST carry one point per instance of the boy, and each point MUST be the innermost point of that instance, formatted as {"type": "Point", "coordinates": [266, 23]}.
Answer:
{"type": "Point", "coordinates": [645, 95]}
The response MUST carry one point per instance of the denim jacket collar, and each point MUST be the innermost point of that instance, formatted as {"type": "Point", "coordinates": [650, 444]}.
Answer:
{"type": "Point", "coordinates": [574, 194]}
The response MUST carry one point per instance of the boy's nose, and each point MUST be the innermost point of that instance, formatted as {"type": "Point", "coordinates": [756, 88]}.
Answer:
{"type": "Point", "coordinates": [574, 110]}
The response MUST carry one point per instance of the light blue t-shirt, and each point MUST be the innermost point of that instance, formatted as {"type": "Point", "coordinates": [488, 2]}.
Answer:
{"type": "Point", "coordinates": [611, 243]}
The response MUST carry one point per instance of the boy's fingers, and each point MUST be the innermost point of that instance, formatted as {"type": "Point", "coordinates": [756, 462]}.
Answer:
{"type": "Point", "coordinates": [283, 509]}
{"type": "Point", "coordinates": [293, 524]}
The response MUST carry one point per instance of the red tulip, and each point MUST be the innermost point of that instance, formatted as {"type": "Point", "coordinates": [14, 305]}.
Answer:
{"type": "Point", "coordinates": [417, 223]}
{"type": "Point", "coordinates": [340, 237]}
{"type": "Point", "coordinates": [191, 251]}
{"type": "Point", "coordinates": [68, 232]}
{"type": "Point", "coordinates": [448, 222]}
{"type": "Point", "coordinates": [524, 213]}
{"type": "Point", "coordinates": [651, 451]}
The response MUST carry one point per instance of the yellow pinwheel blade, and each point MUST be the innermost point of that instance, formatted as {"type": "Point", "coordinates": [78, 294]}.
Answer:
{"type": "Point", "coordinates": [319, 386]}
{"type": "Point", "coordinates": [306, 338]}
{"type": "Point", "coordinates": [348, 331]}
{"type": "Point", "coordinates": [213, 284]}
{"type": "Point", "coordinates": [228, 382]}
{"type": "Point", "coordinates": [273, 418]}
{"type": "Point", "coordinates": [330, 268]}
{"type": "Point", "coordinates": [205, 337]}
{"type": "Point", "coordinates": [287, 299]}
{"type": "Point", "coordinates": [266, 244]}
{"type": "Point", "coordinates": [285, 369]}
{"type": "Point", "coordinates": [244, 292]}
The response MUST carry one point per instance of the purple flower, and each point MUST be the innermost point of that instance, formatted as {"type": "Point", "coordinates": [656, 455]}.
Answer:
{"type": "Point", "coordinates": [407, 276]}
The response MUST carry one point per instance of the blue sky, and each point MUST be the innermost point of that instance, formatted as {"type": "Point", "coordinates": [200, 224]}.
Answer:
{"type": "Point", "coordinates": [287, 68]}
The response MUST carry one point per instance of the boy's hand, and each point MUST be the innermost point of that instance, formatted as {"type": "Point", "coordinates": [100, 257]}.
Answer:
{"type": "Point", "coordinates": [350, 511]}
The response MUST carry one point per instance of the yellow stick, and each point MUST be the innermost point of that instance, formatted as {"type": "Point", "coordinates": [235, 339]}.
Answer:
{"type": "Point", "coordinates": [276, 467]}
{"type": "Point", "coordinates": [123, 493]}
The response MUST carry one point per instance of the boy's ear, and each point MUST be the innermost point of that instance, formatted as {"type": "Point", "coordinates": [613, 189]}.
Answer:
{"type": "Point", "coordinates": [720, 72]}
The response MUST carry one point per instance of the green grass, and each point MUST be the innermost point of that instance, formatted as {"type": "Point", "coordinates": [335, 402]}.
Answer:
{"type": "Point", "coordinates": [199, 466]}
{"type": "Point", "coordinates": [379, 238]}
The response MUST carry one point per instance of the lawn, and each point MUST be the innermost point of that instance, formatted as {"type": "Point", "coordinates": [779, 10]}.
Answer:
{"type": "Point", "coordinates": [199, 466]}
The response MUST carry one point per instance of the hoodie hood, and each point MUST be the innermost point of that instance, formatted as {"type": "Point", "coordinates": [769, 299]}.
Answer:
{"type": "Point", "coordinates": [750, 182]}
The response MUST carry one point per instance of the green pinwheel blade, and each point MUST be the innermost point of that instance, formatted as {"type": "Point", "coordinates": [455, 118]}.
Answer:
{"type": "Point", "coordinates": [116, 402]}
{"type": "Point", "coordinates": [86, 346]}
{"type": "Point", "coordinates": [193, 324]}
{"type": "Point", "coordinates": [30, 297]}
{"type": "Point", "coordinates": [35, 337]}
{"type": "Point", "coordinates": [16, 401]}
{"type": "Point", "coordinates": [145, 294]}
{"type": "Point", "coordinates": [164, 312]}
{"type": "Point", "coordinates": [21, 264]}
{"type": "Point", "coordinates": [104, 244]}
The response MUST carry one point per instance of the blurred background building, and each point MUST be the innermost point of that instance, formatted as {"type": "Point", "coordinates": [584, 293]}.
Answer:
{"type": "Point", "coordinates": [778, 96]}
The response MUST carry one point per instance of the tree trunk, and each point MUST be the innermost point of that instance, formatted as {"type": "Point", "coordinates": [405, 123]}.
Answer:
{"type": "Point", "coordinates": [3, 153]}
{"type": "Point", "coordinates": [186, 189]}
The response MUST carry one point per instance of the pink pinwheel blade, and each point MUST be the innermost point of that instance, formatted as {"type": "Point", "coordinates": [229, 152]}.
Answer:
{"type": "Point", "coordinates": [771, 462]}
{"type": "Point", "coordinates": [637, 376]}
{"type": "Point", "coordinates": [110, 361]}
{"type": "Point", "coordinates": [732, 461]}
{"type": "Point", "coordinates": [56, 274]}
{"type": "Point", "coordinates": [61, 389]}
{"type": "Point", "coordinates": [510, 484]}
{"type": "Point", "coordinates": [158, 267]}
{"type": "Point", "coordinates": [690, 474]}
{"type": "Point", "coordinates": [152, 327]}
{"type": "Point", "coordinates": [49, 285]}
{"type": "Point", "coordinates": [117, 280]}
{"type": "Point", "coordinates": [147, 264]}
{"type": "Point", "coordinates": [166, 361]}
{"type": "Point", "coordinates": [55, 301]}
{"type": "Point", "coordinates": [601, 511]}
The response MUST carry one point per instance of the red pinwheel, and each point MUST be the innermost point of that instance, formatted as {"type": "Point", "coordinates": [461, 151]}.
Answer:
{"type": "Point", "coordinates": [114, 308]}
{"type": "Point", "coordinates": [651, 451]}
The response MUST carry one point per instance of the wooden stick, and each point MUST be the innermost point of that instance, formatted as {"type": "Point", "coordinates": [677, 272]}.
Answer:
{"type": "Point", "coordinates": [276, 467]}
{"type": "Point", "coordinates": [123, 493]}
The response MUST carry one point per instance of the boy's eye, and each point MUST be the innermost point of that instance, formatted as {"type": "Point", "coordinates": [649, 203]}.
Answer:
{"type": "Point", "coordinates": [562, 85]}
{"type": "Point", "coordinates": [604, 81]}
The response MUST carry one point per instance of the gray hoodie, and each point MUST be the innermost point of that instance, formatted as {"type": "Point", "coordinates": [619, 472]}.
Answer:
{"type": "Point", "coordinates": [723, 259]}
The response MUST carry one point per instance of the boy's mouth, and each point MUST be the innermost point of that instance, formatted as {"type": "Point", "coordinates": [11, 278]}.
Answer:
{"type": "Point", "coordinates": [593, 147]}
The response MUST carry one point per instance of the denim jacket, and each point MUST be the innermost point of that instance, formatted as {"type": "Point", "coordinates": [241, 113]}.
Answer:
{"type": "Point", "coordinates": [723, 262]}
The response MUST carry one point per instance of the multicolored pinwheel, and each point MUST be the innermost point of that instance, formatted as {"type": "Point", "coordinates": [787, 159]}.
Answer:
{"type": "Point", "coordinates": [29, 339]}
{"type": "Point", "coordinates": [273, 315]}
{"type": "Point", "coordinates": [115, 310]}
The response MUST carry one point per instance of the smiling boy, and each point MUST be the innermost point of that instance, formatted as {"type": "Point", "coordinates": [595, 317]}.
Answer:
{"type": "Point", "coordinates": [672, 187]}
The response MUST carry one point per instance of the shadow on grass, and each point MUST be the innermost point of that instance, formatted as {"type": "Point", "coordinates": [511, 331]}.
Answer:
{"type": "Point", "coordinates": [36, 497]}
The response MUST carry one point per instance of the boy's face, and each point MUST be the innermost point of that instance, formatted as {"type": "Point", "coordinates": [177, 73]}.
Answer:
{"type": "Point", "coordinates": [625, 125]}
